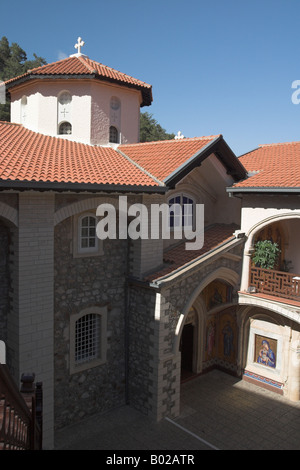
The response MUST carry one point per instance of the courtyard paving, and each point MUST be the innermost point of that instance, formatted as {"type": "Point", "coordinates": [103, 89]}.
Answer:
{"type": "Point", "coordinates": [218, 412]}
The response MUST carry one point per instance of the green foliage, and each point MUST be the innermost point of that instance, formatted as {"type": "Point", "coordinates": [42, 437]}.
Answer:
{"type": "Point", "coordinates": [266, 254]}
{"type": "Point", "coordinates": [150, 130]}
{"type": "Point", "coordinates": [14, 62]}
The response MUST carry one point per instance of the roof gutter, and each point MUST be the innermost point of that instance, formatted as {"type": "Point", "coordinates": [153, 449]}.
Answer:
{"type": "Point", "coordinates": [79, 187]}
{"type": "Point", "coordinates": [257, 190]}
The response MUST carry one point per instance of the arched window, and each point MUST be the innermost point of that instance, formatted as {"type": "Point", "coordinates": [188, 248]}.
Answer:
{"type": "Point", "coordinates": [64, 116]}
{"type": "Point", "coordinates": [65, 128]}
{"type": "Point", "coordinates": [181, 211]}
{"type": "Point", "coordinates": [88, 330]}
{"type": "Point", "coordinates": [88, 241]}
{"type": "Point", "coordinates": [113, 135]}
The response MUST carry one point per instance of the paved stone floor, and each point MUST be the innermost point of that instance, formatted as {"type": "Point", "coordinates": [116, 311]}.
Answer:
{"type": "Point", "coordinates": [217, 412]}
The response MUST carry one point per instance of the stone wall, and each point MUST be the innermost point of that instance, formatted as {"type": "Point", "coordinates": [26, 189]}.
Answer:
{"type": "Point", "coordinates": [140, 342]}
{"type": "Point", "coordinates": [154, 345]}
{"type": "Point", "coordinates": [81, 283]}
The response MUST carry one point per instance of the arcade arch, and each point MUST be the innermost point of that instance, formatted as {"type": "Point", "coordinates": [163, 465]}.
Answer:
{"type": "Point", "coordinates": [207, 331]}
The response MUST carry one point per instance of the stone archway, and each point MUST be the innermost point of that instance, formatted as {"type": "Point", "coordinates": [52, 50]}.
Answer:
{"type": "Point", "coordinates": [209, 333]}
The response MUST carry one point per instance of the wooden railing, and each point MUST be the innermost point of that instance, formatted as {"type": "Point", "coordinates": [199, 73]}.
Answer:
{"type": "Point", "coordinates": [275, 283]}
{"type": "Point", "coordinates": [20, 414]}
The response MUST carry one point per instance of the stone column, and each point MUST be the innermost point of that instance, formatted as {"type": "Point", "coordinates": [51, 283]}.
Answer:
{"type": "Point", "coordinates": [166, 367]}
{"type": "Point", "coordinates": [294, 370]}
{"type": "Point", "coordinates": [246, 268]}
{"type": "Point", "coordinates": [33, 321]}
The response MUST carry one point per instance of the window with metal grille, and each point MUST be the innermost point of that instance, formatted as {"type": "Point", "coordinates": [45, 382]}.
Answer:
{"type": "Point", "coordinates": [87, 338]}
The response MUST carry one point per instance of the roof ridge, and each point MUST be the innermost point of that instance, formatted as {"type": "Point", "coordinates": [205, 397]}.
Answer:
{"type": "Point", "coordinates": [35, 69]}
{"type": "Point", "coordinates": [84, 62]}
{"type": "Point", "coordinates": [140, 167]}
{"type": "Point", "coordinates": [48, 64]}
{"type": "Point", "coordinates": [208, 137]}
{"type": "Point", "coordinates": [112, 69]}
{"type": "Point", "coordinates": [278, 143]}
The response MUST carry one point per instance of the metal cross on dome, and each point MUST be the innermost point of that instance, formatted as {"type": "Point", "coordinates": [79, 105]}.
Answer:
{"type": "Point", "coordinates": [79, 45]}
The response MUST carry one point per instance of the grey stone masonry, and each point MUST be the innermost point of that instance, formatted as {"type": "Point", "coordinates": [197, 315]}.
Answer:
{"type": "Point", "coordinates": [81, 283]}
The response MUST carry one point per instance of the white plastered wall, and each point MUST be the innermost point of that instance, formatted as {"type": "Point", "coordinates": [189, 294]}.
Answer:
{"type": "Point", "coordinates": [90, 109]}
{"type": "Point", "coordinates": [258, 211]}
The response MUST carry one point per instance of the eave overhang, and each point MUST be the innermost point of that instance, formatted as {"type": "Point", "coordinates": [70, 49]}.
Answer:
{"type": "Point", "coordinates": [223, 152]}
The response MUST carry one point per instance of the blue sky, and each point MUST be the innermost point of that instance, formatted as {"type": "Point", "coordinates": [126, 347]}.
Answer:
{"type": "Point", "coordinates": [216, 67]}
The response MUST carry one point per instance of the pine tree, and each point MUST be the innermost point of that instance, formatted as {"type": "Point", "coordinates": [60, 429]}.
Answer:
{"type": "Point", "coordinates": [14, 62]}
{"type": "Point", "coordinates": [151, 130]}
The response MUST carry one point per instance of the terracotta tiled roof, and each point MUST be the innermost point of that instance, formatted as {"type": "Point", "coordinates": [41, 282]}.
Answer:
{"type": "Point", "coordinates": [163, 157]}
{"type": "Point", "coordinates": [178, 257]}
{"type": "Point", "coordinates": [272, 166]}
{"type": "Point", "coordinates": [82, 65]}
{"type": "Point", "coordinates": [28, 156]}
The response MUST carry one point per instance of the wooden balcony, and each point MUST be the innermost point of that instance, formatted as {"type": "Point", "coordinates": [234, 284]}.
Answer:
{"type": "Point", "coordinates": [275, 283]}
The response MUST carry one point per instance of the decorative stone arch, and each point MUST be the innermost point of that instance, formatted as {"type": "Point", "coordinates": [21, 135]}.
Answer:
{"type": "Point", "coordinates": [223, 274]}
{"type": "Point", "coordinates": [185, 189]}
{"type": "Point", "coordinates": [263, 223]}
{"type": "Point", "coordinates": [250, 236]}
{"type": "Point", "coordinates": [9, 213]}
{"type": "Point", "coordinates": [82, 206]}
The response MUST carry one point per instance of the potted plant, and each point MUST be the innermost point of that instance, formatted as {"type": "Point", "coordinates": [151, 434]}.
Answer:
{"type": "Point", "coordinates": [266, 254]}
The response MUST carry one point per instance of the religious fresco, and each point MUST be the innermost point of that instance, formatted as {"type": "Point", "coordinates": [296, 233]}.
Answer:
{"type": "Point", "coordinates": [228, 337]}
{"type": "Point", "coordinates": [265, 351]}
{"type": "Point", "coordinates": [216, 293]}
{"type": "Point", "coordinates": [221, 337]}
{"type": "Point", "coordinates": [210, 340]}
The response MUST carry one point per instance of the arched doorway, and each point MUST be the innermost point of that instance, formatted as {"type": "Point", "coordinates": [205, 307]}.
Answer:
{"type": "Point", "coordinates": [209, 337]}
{"type": "Point", "coordinates": [189, 346]}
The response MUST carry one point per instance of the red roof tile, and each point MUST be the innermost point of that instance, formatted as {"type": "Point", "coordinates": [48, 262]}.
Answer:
{"type": "Point", "coordinates": [82, 65]}
{"type": "Point", "coordinates": [178, 257]}
{"type": "Point", "coordinates": [163, 157]}
{"type": "Point", "coordinates": [272, 166]}
{"type": "Point", "coordinates": [28, 156]}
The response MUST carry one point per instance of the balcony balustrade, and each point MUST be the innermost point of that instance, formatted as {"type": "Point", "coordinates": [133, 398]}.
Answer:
{"type": "Point", "coordinates": [275, 283]}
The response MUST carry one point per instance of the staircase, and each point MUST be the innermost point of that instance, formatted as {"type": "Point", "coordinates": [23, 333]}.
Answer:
{"type": "Point", "coordinates": [20, 412]}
